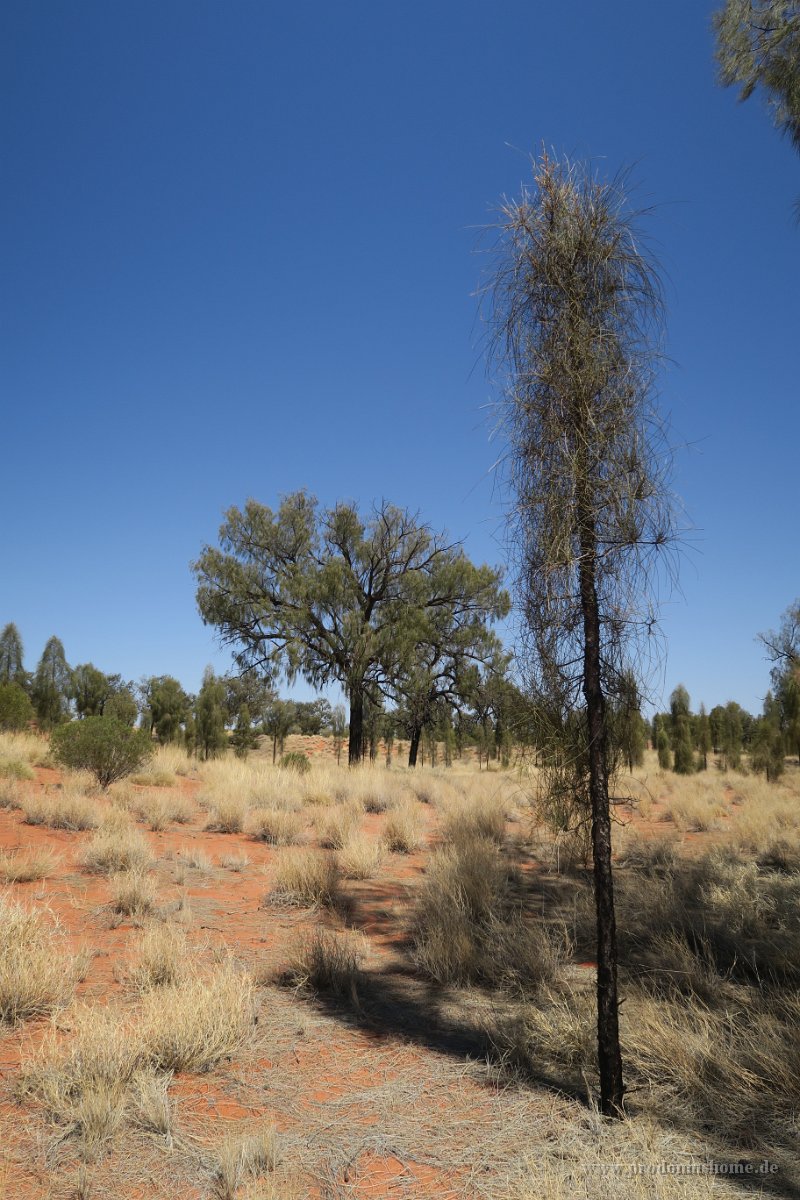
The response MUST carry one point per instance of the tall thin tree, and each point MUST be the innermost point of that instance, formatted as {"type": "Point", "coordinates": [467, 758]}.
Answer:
{"type": "Point", "coordinates": [575, 313]}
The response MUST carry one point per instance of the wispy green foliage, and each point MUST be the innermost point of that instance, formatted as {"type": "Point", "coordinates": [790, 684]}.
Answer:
{"type": "Point", "coordinates": [52, 685]}
{"type": "Point", "coordinates": [758, 47]}
{"type": "Point", "coordinates": [12, 669]}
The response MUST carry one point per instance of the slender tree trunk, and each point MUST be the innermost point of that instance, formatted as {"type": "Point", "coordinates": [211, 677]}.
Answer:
{"type": "Point", "coordinates": [413, 747]}
{"type": "Point", "coordinates": [355, 748]}
{"type": "Point", "coordinates": [609, 1056]}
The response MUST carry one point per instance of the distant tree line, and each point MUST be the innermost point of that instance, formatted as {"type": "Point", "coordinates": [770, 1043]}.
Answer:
{"type": "Point", "coordinates": [443, 703]}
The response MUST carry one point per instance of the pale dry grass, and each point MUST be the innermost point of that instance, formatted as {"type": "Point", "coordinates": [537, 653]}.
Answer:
{"type": "Point", "coordinates": [241, 1158]}
{"type": "Point", "coordinates": [133, 893]}
{"type": "Point", "coordinates": [117, 848]}
{"type": "Point", "coordinates": [328, 961]}
{"type": "Point", "coordinates": [161, 957]}
{"type": "Point", "coordinates": [373, 789]}
{"type": "Point", "coordinates": [161, 770]}
{"type": "Point", "coordinates": [62, 809]}
{"type": "Point", "coordinates": [636, 1159]}
{"type": "Point", "coordinates": [159, 810]}
{"type": "Point", "coordinates": [193, 1024]}
{"type": "Point", "coordinates": [37, 975]}
{"type": "Point", "coordinates": [402, 830]}
{"type": "Point", "coordinates": [336, 825]}
{"type": "Point", "coordinates": [307, 878]}
{"type": "Point", "coordinates": [479, 815]}
{"type": "Point", "coordinates": [194, 859]}
{"type": "Point", "coordinates": [276, 826]}
{"type": "Point", "coordinates": [24, 747]}
{"type": "Point", "coordinates": [360, 857]}
{"type": "Point", "coordinates": [16, 768]}
{"type": "Point", "coordinates": [27, 866]}
{"type": "Point", "coordinates": [81, 1080]}
{"type": "Point", "coordinates": [228, 815]}
{"type": "Point", "coordinates": [109, 1061]}
{"type": "Point", "coordinates": [9, 795]}
{"type": "Point", "coordinates": [150, 1106]}
{"type": "Point", "coordinates": [234, 862]}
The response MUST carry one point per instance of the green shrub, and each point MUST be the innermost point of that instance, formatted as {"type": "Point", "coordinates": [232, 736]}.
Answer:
{"type": "Point", "coordinates": [103, 745]}
{"type": "Point", "coordinates": [295, 760]}
{"type": "Point", "coordinates": [16, 710]}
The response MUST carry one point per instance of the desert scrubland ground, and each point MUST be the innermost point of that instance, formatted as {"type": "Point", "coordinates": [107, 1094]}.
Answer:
{"type": "Point", "coordinates": [230, 980]}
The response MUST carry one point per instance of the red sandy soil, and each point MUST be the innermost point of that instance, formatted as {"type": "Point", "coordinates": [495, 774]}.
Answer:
{"type": "Point", "coordinates": [363, 1111]}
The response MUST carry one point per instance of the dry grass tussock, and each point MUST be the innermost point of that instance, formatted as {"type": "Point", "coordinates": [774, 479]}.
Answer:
{"type": "Point", "coordinates": [234, 862]}
{"type": "Point", "coordinates": [241, 1158]}
{"type": "Point", "coordinates": [16, 768]}
{"type": "Point", "coordinates": [37, 975]}
{"type": "Point", "coordinates": [63, 808]}
{"type": "Point", "coordinates": [308, 878]}
{"type": "Point", "coordinates": [108, 1063]}
{"type": "Point", "coordinates": [161, 957]}
{"type": "Point", "coordinates": [162, 769]}
{"type": "Point", "coordinates": [228, 815]}
{"type": "Point", "coordinates": [193, 1024]}
{"type": "Point", "coordinates": [27, 866]}
{"type": "Point", "coordinates": [372, 789]}
{"type": "Point", "coordinates": [161, 809]}
{"type": "Point", "coordinates": [117, 847]}
{"type": "Point", "coordinates": [328, 961]}
{"type": "Point", "coordinates": [254, 784]}
{"type": "Point", "coordinates": [336, 825]}
{"type": "Point", "coordinates": [480, 816]}
{"type": "Point", "coordinates": [402, 830]}
{"type": "Point", "coordinates": [133, 893]}
{"type": "Point", "coordinates": [9, 795]}
{"type": "Point", "coordinates": [276, 826]}
{"type": "Point", "coordinates": [468, 926]}
{"type": "Point", "coordinates": [194, 860]}
{"type": "Point", "coordinates": [360, 857]}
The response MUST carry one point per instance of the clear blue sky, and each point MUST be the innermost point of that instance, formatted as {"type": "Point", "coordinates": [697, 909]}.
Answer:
{"type": "Point", "coordinates": [239, 258]}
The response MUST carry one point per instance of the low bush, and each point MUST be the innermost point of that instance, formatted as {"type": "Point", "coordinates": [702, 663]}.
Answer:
{"type": "Point", "coordinates": [16, 710]}
{"type": "Point", "coordinates": [297, 761]}
{"type": "Point", "coordinates": [103, 745]}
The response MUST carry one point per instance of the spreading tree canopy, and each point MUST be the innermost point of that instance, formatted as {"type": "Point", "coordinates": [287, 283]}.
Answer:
{"type": "Point", "coordinates": [332, 596]}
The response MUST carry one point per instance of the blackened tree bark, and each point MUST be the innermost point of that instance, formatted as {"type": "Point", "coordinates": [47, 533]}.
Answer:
{"type": "Point", "coordinates": [609, 1055]}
